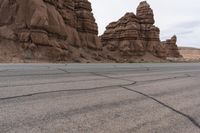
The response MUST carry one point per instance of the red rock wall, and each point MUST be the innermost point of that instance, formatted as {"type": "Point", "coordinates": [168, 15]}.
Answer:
{"type": "Point", "coordinates": [55, 25]}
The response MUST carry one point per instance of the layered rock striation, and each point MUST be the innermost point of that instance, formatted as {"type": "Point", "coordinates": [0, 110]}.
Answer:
{"type": "Point", "coordinates": [172, 49]}
{"type": "Point", "coordinates": [47, 29]}
{"type": "Point", "coordinates": [135, 35]}
{"type": "Point", "coordinates": [65, 30]}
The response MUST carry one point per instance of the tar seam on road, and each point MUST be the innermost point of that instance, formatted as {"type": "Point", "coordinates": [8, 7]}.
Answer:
{"type": "Point", "coordinates": [70, 90]}
{"type": "Point", "coordinates": [194, 122]}
{"type": "Point", "coordinates": [147, 81]}
{"type": "Point", "coordinates": [44, 83]}
{"type": "Point", "coordinates": [63, 70]}
{"type": "Point", "coordinates": [105, 76]}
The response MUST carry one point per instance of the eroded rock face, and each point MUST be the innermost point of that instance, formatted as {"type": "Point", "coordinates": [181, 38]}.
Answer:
{"type": "Point", "coordinates": [145, 13]}
{"type": "Point", "coordinates": [52, 27]}
{"type": "Point", "coordinates": [124, 36]}
{"type": "Point", "coordinates": [171, 47]}
{"type": "Point", "coordinates": [135, 35]}
{"type": "Point", "coordinates": [65, 30]}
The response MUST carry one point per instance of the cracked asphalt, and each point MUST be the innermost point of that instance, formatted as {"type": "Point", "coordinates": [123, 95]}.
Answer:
{"type": "Point", "coordinates": [100, 98]}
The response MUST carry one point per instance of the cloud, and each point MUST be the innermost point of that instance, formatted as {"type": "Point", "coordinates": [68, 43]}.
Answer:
{"type": "Point", "coordinates": [188, 33]}
{"type": "Point", "coordinates": [189, 24]}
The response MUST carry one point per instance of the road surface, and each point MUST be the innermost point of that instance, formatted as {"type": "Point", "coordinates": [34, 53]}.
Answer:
{"type": "Point", "coordinates": [100, 98]}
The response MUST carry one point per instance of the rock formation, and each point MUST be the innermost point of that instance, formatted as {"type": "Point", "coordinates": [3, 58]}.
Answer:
{"type": "Point", "coordinates": [135, 35]}
{"type": "Point", "coordinates": [65, 30]}
{"type": "Point", "coordinates": [47, 29]}
{"type": "Point", "coordinates": [171, 47]}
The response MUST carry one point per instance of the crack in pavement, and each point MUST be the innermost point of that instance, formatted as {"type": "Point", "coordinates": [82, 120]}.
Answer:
{"type": "Point", "coordinates": [108, 71]}
{"type": "Point", "coordinates": [102, 75]}
{"type": "Point", "coordinates": [73, 111]}
{"type": "Point", "coordinates": [163, 79]}
{"type": "Point", "coordinates": [63, 70]}
{"type": "Point", "coordinates": [96, 74]}
{"type": "Point", "coordinates": [95, 88]}
{"type": "Point", "coordinates": [49, 117]}
{"type": "Point", "coordinates": [146, 81]}
{"type": "Point", "coordinates": [69, 90]}
{"type": "Point", "coordinates": [194, 122]}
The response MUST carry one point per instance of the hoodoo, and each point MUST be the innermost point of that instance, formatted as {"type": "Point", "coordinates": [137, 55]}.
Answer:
{"type": "Point", "coordinates": [134, 36]}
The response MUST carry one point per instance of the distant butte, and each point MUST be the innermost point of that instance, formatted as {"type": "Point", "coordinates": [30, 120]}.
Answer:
{"type": "Point", "coordinates": [66, 31]}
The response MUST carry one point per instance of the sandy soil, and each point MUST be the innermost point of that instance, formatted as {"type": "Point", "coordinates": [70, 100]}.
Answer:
{"type": "Point", "coordinates": [190, 53]}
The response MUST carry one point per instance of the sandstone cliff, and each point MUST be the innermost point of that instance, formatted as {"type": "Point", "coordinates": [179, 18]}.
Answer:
{"type": "Point", "coordinates": [65, 30]}
{"type": "Point", "coordinates": [135, 35]}
{"type": "Point", "coordinates": [171, 47]}
{"type": "Point", "coordinates": [50, 30]}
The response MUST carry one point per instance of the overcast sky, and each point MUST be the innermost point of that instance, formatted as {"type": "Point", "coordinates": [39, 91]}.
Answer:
{"type": "Point", "coordinates": [180, 17]}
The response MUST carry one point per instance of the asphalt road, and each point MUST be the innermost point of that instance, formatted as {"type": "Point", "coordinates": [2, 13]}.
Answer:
{"type": "Point", "coordinates": [100, 98]}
